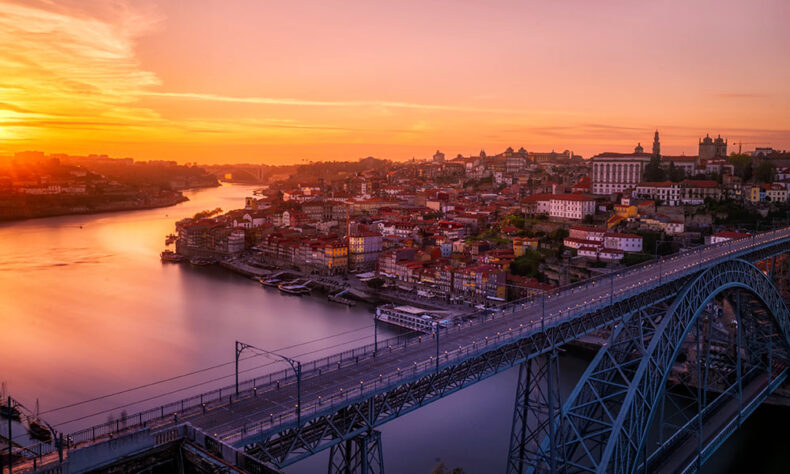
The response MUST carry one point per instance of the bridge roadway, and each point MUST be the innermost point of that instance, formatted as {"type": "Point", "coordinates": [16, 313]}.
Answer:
{"type": "Point", "coordinates": [275, 405]}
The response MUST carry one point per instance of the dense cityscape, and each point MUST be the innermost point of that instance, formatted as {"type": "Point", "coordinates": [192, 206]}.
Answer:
{"type": "Point", "coordinates": [484, 229]}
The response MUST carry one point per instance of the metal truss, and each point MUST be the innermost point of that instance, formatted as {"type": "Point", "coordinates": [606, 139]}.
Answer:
{"type": "Point", "coordinates": [537, 408]}
{"type": "Point", "coordinates": [605, 421]}
{"type": "Point", "coordinates": [283, 446]}
{"type": "Point", "coordinates": [359, 455]}
{"type": "Point", "coordinates": [290, 442]}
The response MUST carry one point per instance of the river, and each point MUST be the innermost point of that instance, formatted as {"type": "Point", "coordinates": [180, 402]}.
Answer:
{"type": "Point", "coordinates": [87, 310]}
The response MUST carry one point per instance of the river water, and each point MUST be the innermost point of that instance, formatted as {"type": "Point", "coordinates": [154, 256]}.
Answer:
{"type": "Point", "coordinates": [87, 309]}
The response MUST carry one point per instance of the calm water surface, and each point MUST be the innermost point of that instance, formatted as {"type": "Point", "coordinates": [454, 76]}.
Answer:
{"type": "Point", "coordinates": [87, 309]}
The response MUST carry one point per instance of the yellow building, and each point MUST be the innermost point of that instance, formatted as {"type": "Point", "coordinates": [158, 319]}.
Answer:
{"type": "Point", "coordinates": [521, 244]}
{"type": "Point", "coordinates": [753, 193]}
{"type": "Point", "coordinates": [621, 210]}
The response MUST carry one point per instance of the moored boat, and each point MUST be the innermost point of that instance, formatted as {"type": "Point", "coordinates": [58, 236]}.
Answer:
{"type": "Point", "coordinates": [9, 411]}
{"type": "Point", "coordinates": [272, 282]}
{"type": "Point", "coordinates": [36, 428]}
{"type": "Point", "coordinates": [293, 289]}
{"type": "Point", "coordinates": [201, 261]}
{"type": "Point", "coordinates": [170, 256]}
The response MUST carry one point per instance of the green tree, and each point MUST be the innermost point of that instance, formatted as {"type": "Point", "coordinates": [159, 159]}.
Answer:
{"type": "Point", "coordinates": [527, 264]}
{"type": "Point", "coordinates": [676, 174]}
{"type": "Point", "coordinates": [654, 171]}
{"type": "Point", "coordinates": [765, 172]}
{"type": "Point", "coordinates": [742, 164]}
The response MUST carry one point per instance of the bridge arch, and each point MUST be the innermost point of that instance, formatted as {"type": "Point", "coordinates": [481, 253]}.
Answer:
{"type": "Point", "coordinates": [604, 424]}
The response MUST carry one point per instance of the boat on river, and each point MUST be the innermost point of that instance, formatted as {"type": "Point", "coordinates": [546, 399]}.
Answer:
{"type": "Point", "coordinates": [170, 256]}
{"type": "Point", "coordinates": [8, 411]}
{"type": "Point", "coordinates": [294, 289]}
{"type": "Point", "coordinates": [271, 282]}
{"type": "Point", "coordinates": [37, 429]}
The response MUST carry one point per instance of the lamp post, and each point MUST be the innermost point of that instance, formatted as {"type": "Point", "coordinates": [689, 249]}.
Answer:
{"type": "Point", "coordinates": [295, 365]}
{"type": "Point", "coordinates": [375, 333]}
{"type": "Point", "coordinates": [10, 436]}
{"type": "Point", "coordinates": [436, 331]}
{"type": "Point", "coordinates": [542, 309]}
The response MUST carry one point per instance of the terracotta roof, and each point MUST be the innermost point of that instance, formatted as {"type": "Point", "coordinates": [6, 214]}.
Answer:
{"type": "Point", "coordinates": [609, 154]}
{"type": "Point", "coordinates": [732, 235]}
{"type": "Point", "coordinates": [587, 229]}
{"type": "Point", "coordinates": [571, 197]}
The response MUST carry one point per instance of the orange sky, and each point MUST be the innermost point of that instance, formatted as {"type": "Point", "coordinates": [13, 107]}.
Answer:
{"type": "Point", "coordinates": [279, 82]}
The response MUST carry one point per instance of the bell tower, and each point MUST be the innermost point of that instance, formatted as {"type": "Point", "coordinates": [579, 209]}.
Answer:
{"type": "Point", "coordinates": [656, 145]}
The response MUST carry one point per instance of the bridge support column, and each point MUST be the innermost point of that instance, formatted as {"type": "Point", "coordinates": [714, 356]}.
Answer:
{"type": "Point", "coordinates": [535, 415]}
{"type": "Point", "coordinates": [358, 455]}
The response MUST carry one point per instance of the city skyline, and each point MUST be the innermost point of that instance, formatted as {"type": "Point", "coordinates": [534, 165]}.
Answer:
{"type": "Point", "coordinates": [277, 84]}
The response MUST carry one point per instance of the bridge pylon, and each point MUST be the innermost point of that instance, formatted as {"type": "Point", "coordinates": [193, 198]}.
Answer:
{"type": "Point", "coordinates": [536, 416]}
{"type": "Point", "coordinates": [361, 454]}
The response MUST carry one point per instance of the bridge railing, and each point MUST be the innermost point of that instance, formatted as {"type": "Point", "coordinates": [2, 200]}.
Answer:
{"type": "Point", "coordinates": [255, 385]}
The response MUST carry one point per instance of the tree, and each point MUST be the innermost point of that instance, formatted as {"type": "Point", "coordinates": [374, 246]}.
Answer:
{"type": "Point", "coordinates": [765, 172]}
{"type": "Point", "coordinates": [442, 469]}
{"type": "Point", "coordinates": [742, 164]}
{"type": "Point", "coordinates": [654, 171]}
{"type": "Point", "coordinates": [588, 219]}
{"type": "Point", "coordinates": [676, 174]}
{"type": "Point", "coordinates": [527, 264]}
{"type": "Point", "coordinates": [207, 213]}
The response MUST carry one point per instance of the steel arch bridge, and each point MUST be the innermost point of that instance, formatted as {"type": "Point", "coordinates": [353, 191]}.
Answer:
{"type": "Point", "coordinates": [629, 411]}
{"type": "Point", "coordinates": [605, 424]}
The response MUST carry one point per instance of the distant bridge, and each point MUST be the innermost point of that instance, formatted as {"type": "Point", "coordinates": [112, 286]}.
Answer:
{"type": "Point", "coordinates": [711, 303]}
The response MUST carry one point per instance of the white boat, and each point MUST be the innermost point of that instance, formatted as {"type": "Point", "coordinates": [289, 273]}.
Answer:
{"type": "Point", "coordinates": [293, 289]}
{"type": "Point", "coordinates": [273, 282]}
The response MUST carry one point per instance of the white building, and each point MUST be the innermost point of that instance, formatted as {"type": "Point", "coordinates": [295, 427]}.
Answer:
{"type": "Point", "coordinates": [666, 191]}
{"type": "Point", "coordinates": [615, 172]}
{"type": "Point", "coordinates": [624, 242]}
{"type": "Point", "coordinates": [571, 206]}
{"type": "Point", "coordinates": [775, 193]}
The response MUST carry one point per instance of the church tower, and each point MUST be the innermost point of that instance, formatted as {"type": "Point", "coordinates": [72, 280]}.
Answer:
{"type": "Point", "coordinates": [656, 145]}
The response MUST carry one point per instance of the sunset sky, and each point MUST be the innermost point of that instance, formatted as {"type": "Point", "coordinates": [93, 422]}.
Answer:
{"type": "Point", "coordinates": [284, 81]}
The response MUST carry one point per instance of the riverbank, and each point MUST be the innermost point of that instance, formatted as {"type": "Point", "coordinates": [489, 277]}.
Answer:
{"type": "Point", "coordinates": [13, 210]}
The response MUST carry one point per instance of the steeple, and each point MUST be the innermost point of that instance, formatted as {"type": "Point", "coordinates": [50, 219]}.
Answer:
{"type": "Point", "coordinates": [656, 145]}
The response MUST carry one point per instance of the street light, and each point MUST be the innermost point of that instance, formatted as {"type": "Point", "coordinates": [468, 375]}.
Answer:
{"type": "Point", "coordinates": [295, 365]}
{"type": "Point", "coordinates": [436, 331]}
